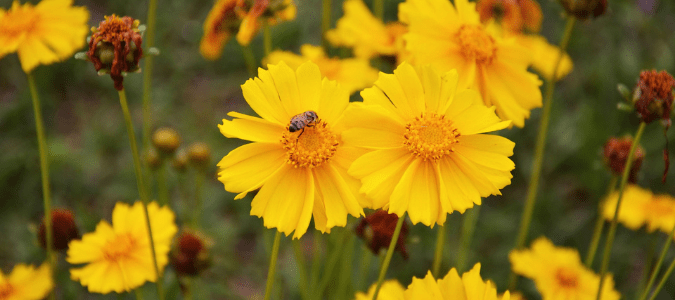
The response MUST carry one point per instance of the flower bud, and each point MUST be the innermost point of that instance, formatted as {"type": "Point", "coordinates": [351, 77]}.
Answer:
{"type": "Point", "coordinates": [583, 9]}
{"type": "Point", "coordinates": [64, 230]}
{"type": "Point", "coordinates": [378, 228]}
{"type": "Point", "coordinates": [615, 154]}
{"type": "Point", "coordinates": [190, 256]}
{"type": "Point", "coordinates": [152, 159]}
{"type": "Point", "coordinates": [180, 160]}
{"type": "Point", "coordinates": [199, 154]}
{"type": "Point", "coordinates": [166, 140]}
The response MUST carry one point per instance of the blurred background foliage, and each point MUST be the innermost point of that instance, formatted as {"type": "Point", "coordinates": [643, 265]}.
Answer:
{"type": "Point", "coordinates": [91, 166]}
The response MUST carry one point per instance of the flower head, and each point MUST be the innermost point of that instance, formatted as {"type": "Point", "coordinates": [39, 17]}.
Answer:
{"type": "Point", "coordinates": [43, 34]}
{"type": "Point", "coordinates": [300, 174]}
{"type": "Point", "coordinates": [654, 93]}
{"type": "Point", "coordinates": [118, 258]}
{"type": "Point", "coordinates": [584, 9]}
{"type": "Point", "coordinates": [429, 154]}
{"type": "Point", "coordinates": [191, 255]}
{"type": "Point", "coordinates": [353, 74]}
{"type": "Point", "coordinates": [166, 140]}
{"type": "Point", "coordinates": [452, 37]}
{"type": "Point", "coordinates": [254, 12]}
{"type": "Point", "coordinates": [514, 15]}
{"type": "Point", "coordinates": [559, 273]}
{"type": "Point", "coordinates": [377, 230]}
{"type": "Point", "coordinates": [452, 287]}
{"type": "Point", "coordinates": [220, 25]}
{"type": "Point", "coordinates": [26, 283]}
{"type": "Point", "coordinates": [199, 154]}
{"type": "Point", "coordinates": [115, 47]}
{"type": "Point", "coordinates": [641, 207]}
{"type": "Point", "coordinates": [390, 290]}
{"type": "Point", "coordinates": [615, 154]}
{"type": "Point", "coordinates": [64, 230]}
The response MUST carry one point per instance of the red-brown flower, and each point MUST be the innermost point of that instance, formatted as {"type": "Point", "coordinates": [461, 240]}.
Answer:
{"type": "Point", "coordinates": [616, 153]}
{"type": "Point", "coordinates": [583, 9]}
{"type": "Point", "coordinates": [377, 230]}
{"type": "Point", "coordinates": [514, 15]}
{"type": "Point", "coordinates": [654, 96]}
{"type": "Point", "coordinates": [190, 256]}
{"type": "Point", "coordinates": [64, 230]}
{"type": "Point", "coordinates": [115, 47]}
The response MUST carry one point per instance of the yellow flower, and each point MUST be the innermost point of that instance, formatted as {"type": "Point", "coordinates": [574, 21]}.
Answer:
{"type": "Point", "coordinates": [43, 34]}
{"type": "Point", "coordinates": [302, 173]}
{"type": "Point", "coordinates": [390, 290]}
{"type": "Point", "coordinates": [544, 56]}
{"type": "Point", "coordinates": [26, 283]}
{"type": "Point", "coordinates": [558, 272]}
{"type": "Point", "coordinates": [450, 37]}
{"type": "Point", "coordinates": [221, 23]}
{"type": "Point", "coordinates": [429, 154]}
{"type": "Point", "coordinates": [119, 257]}
{"type": "Point", "coordinates": [352, 74]}
{"type": "Point", "coordinates": [274, 12]}
{"type": "Point", "coordinates": [639, 207]}
{"type": "Point", "coordinates": [469, 287]}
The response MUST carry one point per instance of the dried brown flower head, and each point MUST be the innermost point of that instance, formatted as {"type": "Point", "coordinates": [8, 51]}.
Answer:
{"type": "Point", "coordinates": [654, 95]}
{"type": "Point", "coordinates": [190, 256]}
{"type": "Point", "coordinates": [514, 15]}
{"type": "Point", "coordinates": [583, 9]}
{"type": "Point", "coordinates": [64, 230]}
{"type": "Point", "coordinates": [377, 230]}
{"type": "Point", "coordinates": [615, 154]}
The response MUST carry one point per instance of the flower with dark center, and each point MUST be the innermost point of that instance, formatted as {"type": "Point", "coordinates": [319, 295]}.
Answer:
{"type": "Point", "coordinates": [190, 256]}
{"type": "Point", "coordinates": [377, 230]}
{"type": "Point", "coordinates": [64, 230]}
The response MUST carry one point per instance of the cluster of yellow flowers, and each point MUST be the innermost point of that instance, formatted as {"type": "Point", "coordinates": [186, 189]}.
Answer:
{"type": "Point", "coordinates": [641, 207]}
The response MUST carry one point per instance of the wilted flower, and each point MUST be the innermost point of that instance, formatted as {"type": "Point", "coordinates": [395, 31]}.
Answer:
{"type": "Point", "coordinates": [615, 154]}
{"type": "Point", "coordinates": [26, 283]}
{"type": "Point", "coordinates": [469, 287]}
{"type": "Point", "coordinates": [514, 15]}
{"type": "Point", "coordinates": [377, 230]}
{"type": "Point", "coordinates": [583, 9]}
{"type": "Point", "coordinates": [64, 230]}
{"type": "Point", "coordinates": [191, 255]}
{"type": "Point", "coordinates": [654, 96]}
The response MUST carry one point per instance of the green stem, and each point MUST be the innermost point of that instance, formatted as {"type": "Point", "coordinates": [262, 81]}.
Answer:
{"type": "Point", "coordinates": [438, 254]}
{"type": "Point", "coordinates": [149, 41]}
{"type": "Point", "coordinates": [378, 9]}
{"type": "Point", "coordinates": [199, 183]}
{"type": "Point", "coordinates": [662, 281]}
{"type": "Point", "coordinates": [139, 295]}
{"type": "Point", "coordinates": [364, 268]}
{"type": "Point", "coordinates": [316, 260]}
{"type": "Point", "coordinates": [644, 276]}
{"type": "Point", "coordinates": [612, 228]}
{"type": "Point", "coordinates": [273, 266]}
{"type": "Point", "coordinates": [333, 259]}
{"type": "Point", "coordinates": [390, 253]}
{"type": "Point", "coordinates": [326, 9]}
{"type": "Point", "coordinates": [300, 261]}
{"type": "Point", "coordinates": [599, 222]}
{"type": "Point", "coordinates": [141, 186]}
{"type": "Point", "coordinates": [540, 146]}
{"type": "Point", "coordinates": [655, 271]}
{"type": "Point", "coordinates": [44, 174]}
{"type": "Point", "coordinates": [163, 191]}
{"type": "Point", "coordinates": [468, 228]}
{"type": "Point", "coordinates": [249, 58]}
{"type": "Point", "coordinates": [267, 39]}
{"type": "Point", "coordinates": [343, 290]}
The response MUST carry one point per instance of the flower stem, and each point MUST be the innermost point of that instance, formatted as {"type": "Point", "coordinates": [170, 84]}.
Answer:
{"type": "Point", "coordinates": [300, 260]}
{"type": "Point", "coordinates": [364, 268]}
{"type": "Point", "coordinates": [599, 222]}
{"type": "Point", "coordinates": [612, 228]}
{"type": "Point", "coordinates": [333, 260]}
{"type": "Point", "coordinates": [390, 253]}
{"type": "Point", "coordinates": [326, 9]}
{"type": "Point", "coordinates": [249, 58]}
{"type": "Point", "coordinates": [316, 260]}
{"type": "Point", "coordinates": [663, 279]}
{"type": "Point", "coordinates": [343, 290]}
{"type": "Point", "coordinates": [438, 254]}
{"type": "Point", "coordinates": [163, 191]}
{"type": "Point", "coordinates": [147, 72]}
{"type": "Point", "coordinates": [655, 271]}
{"type": "Point", "coordinates": [199, 183]}
{"type": "Point", "coordinates": [540, 146]}
{"type": "Point", "coordinates": [273, 266]}
{"type": "Point", "coordinates": [468, 228]}
{"type": "Point", "coordinates": [44, 174]}
{"type": "Point", "coordinates": [141, 185]}
{"type": "Point", "coordinates": [378, 9]}
{"type": "Point", "coordinates": [267, 38]}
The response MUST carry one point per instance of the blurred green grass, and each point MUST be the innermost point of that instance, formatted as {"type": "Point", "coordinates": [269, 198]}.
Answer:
{"type": "Point", "coordinates": [91, 166]}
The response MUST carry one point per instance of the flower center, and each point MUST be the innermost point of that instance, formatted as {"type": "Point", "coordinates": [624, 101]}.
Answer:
{"type": "Point", "coordinates": [431, 136]}
{"type": "Point", "coordinates": [476, 44]}
{"type": "Point", "coordinates": [19, 20]}
{"type": "Point", "coordinates": [311, 146]}
{"type": "Point", "coordinates": [567, 278]}
{"type": "Point", "coordinates": [6, 290]}
{"type": "Point", "coordinates": [119, 247]}
{"type": "Point", "coordinates": [659, 207]}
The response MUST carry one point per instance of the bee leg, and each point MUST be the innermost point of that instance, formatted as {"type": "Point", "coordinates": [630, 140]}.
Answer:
{"type": "Point", "coordinates": [301, 132]}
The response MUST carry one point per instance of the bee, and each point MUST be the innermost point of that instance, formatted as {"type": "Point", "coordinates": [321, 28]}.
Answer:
{"type": "Point", "coordinates": [300, 121]}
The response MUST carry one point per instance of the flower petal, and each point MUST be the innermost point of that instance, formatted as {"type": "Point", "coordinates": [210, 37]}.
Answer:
{"type": "Point", "coordinates": [338, 198]}
{"type": "Point", "coordinates": [263, 98]}
{"type": "Point", "coordinates": [251, 128]}
{"type": "Point", "coordinates": [247, 168]}
{"type": "Point", "coordinates": [380, 171]}
{"type": "Point", "coordinates": [418, 193]}
{"type": "Point", "coordinates": [332, 102]}
{"type": "Point", "coordinates": [372, 127]}
{"type": "Point", "coordinates": [286, 85]}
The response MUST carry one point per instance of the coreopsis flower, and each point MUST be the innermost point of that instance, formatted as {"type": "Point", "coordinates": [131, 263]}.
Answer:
{"type": "Point", "coordinates": [64, 230]}
{"type": "Point", "coordinates": [191, 255]}
{"type": "Point", "coordinates": [377, 230]}
{"type": "Point", "coordinates": [544, 56]}
{"type": "Point", "coordinates": [390, 290]}
{"type": "Point", "coordinates": [641, 207]}
{"type": "Point", "coordinates": [220, 25]}
{"type": "Point", "coordinates": [615, 153]}
{"type": "Point", "coordinates": [429, 155]}
{"type": "Point", "coordinates": [452, 287]}
{"type": "Point", "coordinates": [254, 12]}
{"type": "Point", "coordinates": [514, 15]}
{"type": "Point", "coordinates": [26, 283]}
{"type": "Point", "coordinates": [353, 74]}
{"type": "Point", "coordinates": [115, 47]}
{"type": "Point", "coordinates": [48, 32]}
{"type": "Point", "coordinates": [452, 37]}
{"type": "Point", "coordinates": [301, 171]}
{"type": "Point", "coordinates": [559, 273]}
{"type": "Point", "coordinates": [118, 257]}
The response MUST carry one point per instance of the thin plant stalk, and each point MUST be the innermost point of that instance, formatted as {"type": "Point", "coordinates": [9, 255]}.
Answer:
{"type": "Point", "coordinates": [44, 175]}
{"type": "Point", "coordinates": [438, 254]}
{"type": "Point", "coordinates": [343, 290]}
{"type": "Point", "coordinates": [644, 276]}
{"type": "Point", "coordinates": [364, 267]}
{"type": "Point", "coordinates": [267, 38]}
{"type": "Point", "coordinates": [390, 253]}
{"type": "Point", "coordinates": [189, 287]}
{"type": "Point", "coordinates": [662, 281]}
{"type": "Point", "coordinates": [199, 183]}
{"type": "Point", "coordinates": [326, 10]}
{"type": "Point", "coordinates": [141, 186]}
{"type": "Point", "coordinates": [333, 260]}
{"type": "Point", "coordinates": [300, 261]}
{"type": "Point", "coordinates": [139, 294]}
{"type": "Point", "coordinates": [655, 271]}
{"type": "Point", "coordinates": [468, 228]}
{"type": "Point", "coordinates": [162, 189]}
{"type": "Point", "coordinates": [378, 9]}
{"type": "Point", "coordinates": [249, 58]}
{"type": "Point", "coordinates": [540, 146]}
{"type": "Point", "coordinates": [147, 72]}
{"type": "Point", "coordinates": [612, 228]}
{"type": "Point", "coordinates": [316, 259]}
{"type": "Point", "coordinates": [273, 265]}
{"type": "Point", "coordinates": [599, 224]}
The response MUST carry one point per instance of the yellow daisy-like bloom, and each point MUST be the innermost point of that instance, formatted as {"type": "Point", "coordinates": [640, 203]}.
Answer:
{"type": "Point", "coordinates": [26, 283]}
{"type": "Point", "coordinates": [450, 37]}
{"type": "Point", "coordinates": [429, 154]}
{"type": "Point", "coordinates": [351, 73]}
{"type": "Point", "coordinates": [300, 173]}
{"type": "Point", "coordinates": [43, 34]}
{"type": "Point", "coordinates": [274, 12]}
{"type": "Point", "coordinates": [559, 273]}
{"type": "Point", "coordinates": [469, 287]}
{"type": "Point", "coordinates": [220, 25]}
{"type": "Point", "coordinates": [639, 207]}
{"type": "Point", "coordinates": [118, 257]}
{"type": "Point", "coordinates": [390, 290]}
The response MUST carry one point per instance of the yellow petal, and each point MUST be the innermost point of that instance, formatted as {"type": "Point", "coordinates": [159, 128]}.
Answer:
{"type": "Point", "coordinates": [380, 171]}
{"type": "Point", "coordinates": [247, 168]}
{"type": "Point", "coordinates": [251, 128]}
{"type": "Point", "coordinates": [263, 98]}
{"type": "Point", "coordinates": [373, 127]}
{"type": "Point", "coordinates": [332, 102]}
{"type": "Point", "coordinates": [286, 85]}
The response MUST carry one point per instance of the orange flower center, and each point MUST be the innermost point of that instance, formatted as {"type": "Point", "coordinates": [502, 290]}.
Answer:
{"type": "Point", "coordinates": [6, 290]}
{"type": "Point", "coordinates": [566, 278]}
{"type": "Point", "coordinates": [18, 21]}
{"type": "Point", "coordinates": [311, 146]}
{"type": "Point", "coordinates": [475, 43]}
{"type": "Point", "coordinates": [120, 246]}
{"type": "Point", "coordinates": [660, 207]}
{"type": "Point", "coordinates": [431, 136]}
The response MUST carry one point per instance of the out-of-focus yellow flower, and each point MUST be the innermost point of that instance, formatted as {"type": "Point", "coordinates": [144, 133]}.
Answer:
{"type": "Point", "coordinates": [429, 154]}
{"type": "Point", "coordinates": [119, 257]}
{"type": "Point", "coordinates": [545, 56]}
{"type": "Point", "coordinates": [26, 283]}
{"type": "Point", "coordinates": [514, 15]}
{"type": "Point", "coordinates": [301, 171]}
{"type": "Point", "coordinates": [43, 34]}
{"type": "Point", "coordinates": [469, 287]}
{"type": "Point", "coordinates": [559, 273]}
{"type": "Point", "coordinates": [640, 207]}
{"type": "Point", "coordinates": [220, 25]}
{"type": "Point", "coordinates": [452, 37]}
{"type": "Point", "coordinates": [353, 74]}
{"type": "Point", "coordinates": [390, 290]}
